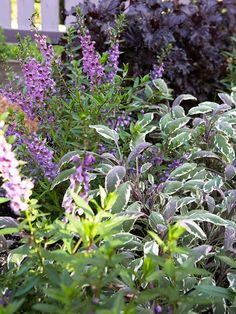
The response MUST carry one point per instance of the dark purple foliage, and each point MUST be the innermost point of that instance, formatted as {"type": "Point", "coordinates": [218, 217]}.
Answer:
{"type": "Point", "coordinates": [198, 34]}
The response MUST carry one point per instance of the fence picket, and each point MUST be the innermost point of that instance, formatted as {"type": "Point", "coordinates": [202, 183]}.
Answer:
{"type": "Point", "coordinates": [5, 14]}
{"type": "Point", "coordinates": [50, 15]}
{"type": "Point", "coordinates": [25, 8]}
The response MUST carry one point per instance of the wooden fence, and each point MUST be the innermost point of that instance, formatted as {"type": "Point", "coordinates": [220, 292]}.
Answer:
{"type": "Point", "coordinates": [49, 23]}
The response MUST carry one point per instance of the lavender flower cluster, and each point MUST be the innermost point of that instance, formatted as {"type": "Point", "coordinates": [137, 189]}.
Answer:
{"type": "Point", "coordinates": [157, 71]}
{"type": "Point", "coordinates": [42, 155]}
{"type": "Point", "coordinates": [79, 182]}
{"type": "Point", "coordinates": [120, 122]}
{"type": "Point", "coordinates": [17, 190]}
{"type": "Point", "coordinates": [96, 73]}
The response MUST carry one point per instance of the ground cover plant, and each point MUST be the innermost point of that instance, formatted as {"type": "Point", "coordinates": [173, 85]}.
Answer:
{"type": "Point", "coordinates": [115, 197]}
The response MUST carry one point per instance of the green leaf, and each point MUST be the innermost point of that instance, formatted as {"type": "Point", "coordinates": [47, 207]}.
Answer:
{"type": "Point", "coordinates": [114, 177]}
{"type": "Point", "coordinates": [161, 85]}
{"type": "Point", "coordinates": [137, 150]}
{"type": "Point", "coordinates": [193, 228]}
{"type": "Point", "coordinates": [3, 200]}
{"type": "Point", "coordinates": [215, 292]}
{"type": "Point", "coordinates": [123, 196]}
{"type": "Point", "coordinates": [182, 97]}
{"type": "Point", "coordinates": [62, 176]}
{"type": "Point", "coordinates": [183, 171]}
{"type": "Point", "coordinates": [145, 167]}
{"type": "Point", "coordinates": [27, 286]}
{"type": "Point", "coordinates": [205, 216]}
{"type": "Point", "coordinates": [81, 203]}
{"type": "Point", "coordinates": [46, 308]}
{"type": "Point", "coordinates": [146, 119]}
{"type": "Point", "coordinates": [175, 125]}
{"type": "Point", "coordinates": [67, 158]}
{"type": "Point", "coordinates": [212, 184]}
{"type": "Point", "coordinates": [226, 128]}
{"type": "Point", "coordinates": [232, 281]}
{"type": "Point", "coordinates": [8, 222]}
{"type": "Point", "coordinates": [148, 91]}
{"type": "Point", "coordinates": [221, 144]}
{"type": "Point", "coordinates": [180, 139]}
{"type": "Point", "coordinates": [200, 110]}
{"type": "Point", "coordinates": [8, 231]}
{"type": "Point", "coordinates": [106, 132]}
{"type": "Point", "coordinates": [172, 187]}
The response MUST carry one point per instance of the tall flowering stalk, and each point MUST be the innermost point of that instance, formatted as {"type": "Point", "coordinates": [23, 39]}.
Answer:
{"type": "Point", "coordinates": [18, 190]}
{"type": "Point", "coordinates": [79, 181]}
{"type": "Point", "coordinates": [112, 62]}
{"type": "Point", "coordinates": [157, 71]}
{"type": "Point", "coordinates": [38, 76]}
{"type": "Point", "coordinates": [91, 64]}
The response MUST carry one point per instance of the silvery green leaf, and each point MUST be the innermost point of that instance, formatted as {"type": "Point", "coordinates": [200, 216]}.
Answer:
{"type": "Point", "coordinates": [67, 158]}
{"type": "Point", "coordinates": [186, 200]}
{"type": "Point", "coordinates": [145, 167]}
{"type": "Point", "coordinates": [155, 219]}
{"type": "Point", "coordinates": [213, 184]}
{"type": "Point", "coordinates": [190, 184]}
{"type": "Point", "coordinates": [114, 178]}
{"type": "Point", "coordinates": [151, 179]}
{"type": "Point", "coordinates": [8, 222]}
{"type": "Point", "coordinates": [148, 91]}
{"type": "Point", "coordinates": [161, 85]}
{"type": "Point", "coordinates": [103, 168]}
{"type": "Point", "coordinates": [178, 112]}
{"type": "Point", "coordinates": [210, 203]}
{"type": "Point", "coordinates": [146, 119]}
{"type": "Point", "coordinates": [164, 121]}
{"type": "Point", "coordinates": [137, 150]}
{"type": "Point", "coordinates": [151, 247]}
{"type": "Point", "coordinates": [200, 110]}
{"type": "Point", "coordinates": [200, 252]}
{"type": "Point", "coordinates": [222, 145]}
{"type": "Point", "coordinates": [205, 216]}
{"type": "Point", "coordinates": [183, 171]}
{"type": "Point", "coordinates": [230, 172]}
{"type": "Point", "coordinates": [62, 176]}
{"type": "Point", "coordinates": [182, 97]}
{"type": "Point", "coordinates": [226, 99]}
{"type": "Point", "coordinates": [209, 104]}
{"type": "Point", "coordinates": [193, 228]}
{"type": "Point", "coordinates": [198, 121]}
{"type": "Point", "coordinates": [106, 132]}
{"type": "Point", "coordinates": [170, 209]}
{"type": "Point", "coordinates": [205, 154]}
{"type": "Point", "coordinates": [180, 139]}
{"type": "Point", "coordinates": [123, 196]}
{"type": "Point", "coordinates": [229, 239]}
{"type": "Point", "coordinates": [172, 187]}
{"type": "Point", "coordinates": [232, 281]}
{"type": "Point", "coordinates": [175, 125]}
{"type": "Point", "coordinates": [226, 128]}
{"type": "Point", "coordinates": [109, 157]}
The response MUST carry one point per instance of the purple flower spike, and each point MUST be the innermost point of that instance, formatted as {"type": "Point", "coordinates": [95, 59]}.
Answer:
{"type": "Point", "coordinates": [91, 64]}
{"type": "Point", "coordinates": [78, 181]}
{"type": "Point", "coordinates": [112, 62]}
{"type": "Point", "coordinates": [42, 155]}
{"type": "Point", "coordinates": [157, 72]}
